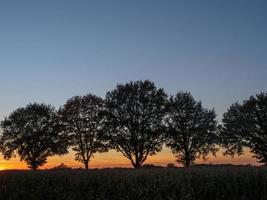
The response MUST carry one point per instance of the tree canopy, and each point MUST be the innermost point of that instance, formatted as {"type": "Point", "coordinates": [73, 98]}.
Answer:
{"type": "Point", "coordinates": [136, 119]}
{"type": "Point", "coordinates": [135, 113]}
{"type": "Point", "coordinates": [82, 121]}
{"type": "Point", "coordinates": [191, 129]}
{"type": "Point", "coordinates": [245, 125]}
{"type": "Point", "coordinates": [33, 132]}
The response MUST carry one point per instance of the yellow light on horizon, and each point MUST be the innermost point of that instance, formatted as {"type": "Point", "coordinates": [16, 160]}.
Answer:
{"type": "Point", "coordinates": [115, 159]}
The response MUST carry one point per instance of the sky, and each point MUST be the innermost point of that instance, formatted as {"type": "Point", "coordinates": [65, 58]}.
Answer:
{"type": "Point", "coordinates": [52, 50]}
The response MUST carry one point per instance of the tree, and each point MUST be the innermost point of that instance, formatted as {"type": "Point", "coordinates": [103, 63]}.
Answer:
{"type": "Point", "coordinates": [191, 129]}
{"type": "Point", "coordinates": [83, 123]}
{"type": "Point", "coordinates": [245, 126]}
{"type": "Point", "coordinates": [171, 165]}
{"type": "Point", "coordinates": [135, 113]}
{"type": "Point", "coordinates": [33, 132]}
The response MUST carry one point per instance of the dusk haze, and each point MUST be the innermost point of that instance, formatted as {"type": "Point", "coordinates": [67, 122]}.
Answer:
{"type": "Point", "coordinates": [138, 100]}
{"type": "Point", "coordinates": [53, 50]}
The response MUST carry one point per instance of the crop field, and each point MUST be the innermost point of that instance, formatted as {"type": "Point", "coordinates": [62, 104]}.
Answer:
{"type": "Point", "coordinates": [244, 183]}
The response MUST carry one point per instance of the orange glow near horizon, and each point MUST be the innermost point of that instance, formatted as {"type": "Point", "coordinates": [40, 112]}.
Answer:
{"type": "Point", "coordinates": [115, 159]}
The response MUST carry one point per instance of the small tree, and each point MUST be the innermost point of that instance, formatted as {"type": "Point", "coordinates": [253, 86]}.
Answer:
{"type": "Point", "coordinates": [245, 125]}
{"type": "Point", "coordinates": [191, 129]}
{"type": "Point", "coordinates": [33, 133]}
{"type": "Point", "coordinates": [83, 123]}
{"type": "Point", "coordinates": [135, 113]}
{"type": "Point", "coordinates": [171, 165]}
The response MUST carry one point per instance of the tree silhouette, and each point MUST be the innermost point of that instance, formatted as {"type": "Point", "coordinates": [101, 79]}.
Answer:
{"type": "Point", "coordinates": [245, 125]}
{"type": "Point", "coordinates": [33, 133]}
{"type": "Point", "coordinates": [83, 123]}
{"type": "Point", "coordinates": [135, 113]}
{"type": "Point", "coordinates": [191, 129]}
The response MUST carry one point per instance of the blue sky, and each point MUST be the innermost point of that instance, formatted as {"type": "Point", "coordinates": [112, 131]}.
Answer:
{"type": "Point", "coordinates": [51, 50]}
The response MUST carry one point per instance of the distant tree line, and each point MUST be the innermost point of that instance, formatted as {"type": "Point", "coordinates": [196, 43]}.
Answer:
{"type": "Point", "coordinates": [135, 119]}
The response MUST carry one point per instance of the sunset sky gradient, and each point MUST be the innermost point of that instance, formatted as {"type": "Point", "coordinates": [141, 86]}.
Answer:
{"type": "Point", "coordinates": [52, 50]}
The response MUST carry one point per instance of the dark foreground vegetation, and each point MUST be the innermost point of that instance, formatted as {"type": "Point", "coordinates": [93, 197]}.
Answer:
{"type": "Point", "coordinates": [223, 182]}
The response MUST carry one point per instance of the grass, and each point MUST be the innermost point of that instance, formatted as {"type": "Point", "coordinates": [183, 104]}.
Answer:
{"type": "Point", "coordinates": [215, 183]}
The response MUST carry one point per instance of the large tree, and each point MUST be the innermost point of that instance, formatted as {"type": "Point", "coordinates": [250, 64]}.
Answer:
{"type": "Point", "coordinates": [135, 113]}
{"type": "Point", "coordinates": [191, 128]}
{"type": "Point", "coordinates": [82, 121]}
{"type": "Point", "coordinates": [245, 126]}
{"type": "Point", "coordinates": [32, 132]}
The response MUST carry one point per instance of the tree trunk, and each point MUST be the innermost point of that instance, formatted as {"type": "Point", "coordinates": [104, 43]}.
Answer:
{"type": "Point", "coordinates": [33, 165]}
{"type": "Point", "coordinates": [187, 163]}
{"type": "Point", "coordinates": [137, 165]}
{"type": "Point", "coordinates": [34, 168]}
{"type": "Point", "coordinates": [187, 160]}
{"type": "Point", "coordinates": [86, 165]}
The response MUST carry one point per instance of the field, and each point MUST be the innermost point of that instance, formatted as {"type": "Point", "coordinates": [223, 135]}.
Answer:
{"type": "Point", "coordinates": [227, 182]}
